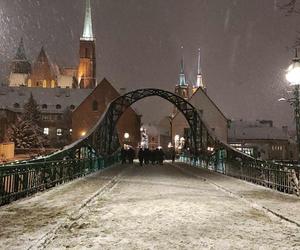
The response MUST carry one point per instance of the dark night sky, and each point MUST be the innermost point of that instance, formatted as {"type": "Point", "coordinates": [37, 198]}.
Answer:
{"type": "Point", "coordinates": [245, 46]}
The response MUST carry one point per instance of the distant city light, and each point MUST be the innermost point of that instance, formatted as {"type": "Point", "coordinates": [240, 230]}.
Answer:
{"type": "Point", "coordinates": [293, 73]}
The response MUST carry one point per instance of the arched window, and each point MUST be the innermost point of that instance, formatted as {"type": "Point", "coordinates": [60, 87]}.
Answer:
{"type": "Point", "coordinates": [72, 106]}
{"type": "Point", "coordinates": [16, 105]}
{"type": "Point", "coordinates": [95, 106]}
{"type": "Point", "coordinates": [58, 106]}
{"type": "Point", "coordinates": [44, 106]}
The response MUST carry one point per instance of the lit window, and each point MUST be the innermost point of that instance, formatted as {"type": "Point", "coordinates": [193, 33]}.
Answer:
{"type": "Point", "coordinates": [71, 130]}
{"type": "Point", "coordinates": [46, 131]}
{"type": "Point", "coordinates": [59, 131]}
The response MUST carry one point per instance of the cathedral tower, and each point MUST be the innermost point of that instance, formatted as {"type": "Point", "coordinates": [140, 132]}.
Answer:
{"type": "Point", "coordinates": [20, 67]}
{"type": "Point", "coordinates": [181, 88]}
{"type": "Point", "coordinates": [87, 64]}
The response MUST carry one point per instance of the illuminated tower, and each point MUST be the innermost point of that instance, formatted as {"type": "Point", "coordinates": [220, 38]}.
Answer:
{"type": "Point", "coordinates": [43, 73]}
{"type": "Point", "coordinates": [87, 65]}
{"type": "Point", "coordinates": [199, 81]}
{"type": "Point", "coordinates": [181, 88]}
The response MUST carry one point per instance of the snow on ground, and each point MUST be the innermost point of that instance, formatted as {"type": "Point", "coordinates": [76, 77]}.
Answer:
{"type": "Point", "coordinates": [23, 222]}
{"type": "Point", "coordinates": [168, 208]}
{"type": "Point", "coordinates": [153, 207]}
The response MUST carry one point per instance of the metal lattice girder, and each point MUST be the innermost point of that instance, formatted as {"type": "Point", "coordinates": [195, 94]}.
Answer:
{"type": "Point", "coordinates": [103, 138]}
{"type": "Point", "coordinates": [119, 105]}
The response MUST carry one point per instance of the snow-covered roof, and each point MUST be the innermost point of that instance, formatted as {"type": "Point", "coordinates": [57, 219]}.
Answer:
{"type": "Point", "coordinates": [258, 130]}
{"type": "Point", "coordinates": [50, 98]}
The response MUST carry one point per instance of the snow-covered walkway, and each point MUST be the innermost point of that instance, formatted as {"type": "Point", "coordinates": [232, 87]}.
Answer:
{"type": "Point", "coordinates": [153, 207]}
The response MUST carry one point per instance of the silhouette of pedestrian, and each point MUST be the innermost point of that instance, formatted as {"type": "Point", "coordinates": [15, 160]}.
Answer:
{"type": "Point", "coordinates": [131, 155]}
{"type": "Point", "coordinates": [160, 156]}
{"type": "Point", "coordinates": [123, 155]}
{"type": "Point", "coordinates": [141, 156]}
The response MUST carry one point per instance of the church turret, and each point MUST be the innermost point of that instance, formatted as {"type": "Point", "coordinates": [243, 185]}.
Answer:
{"type": "Point", "coordinates": [87, 65]}
{"type": "Point", "coordinates": [199, 81]}
{"type": "Point", "coordinates": [20, 67]}
{"type": "Point", "coordinates": [43, 73]}
{"type": "Point", "coordinates": [181, 88]}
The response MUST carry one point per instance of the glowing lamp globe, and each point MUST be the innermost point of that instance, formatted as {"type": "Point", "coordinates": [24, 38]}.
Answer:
{"type": "Point", "coordinates": [293, 73]}
{"type": "Point", "coordinates": [126, 135]}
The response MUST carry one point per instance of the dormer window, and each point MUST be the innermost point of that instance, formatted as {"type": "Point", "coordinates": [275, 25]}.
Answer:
{"type": "Point", "coordinates": [58, 106]}
{"type": "Point", "coordinates": [72, 107]}
{"type": "Point", "coordinates": [44, 106]}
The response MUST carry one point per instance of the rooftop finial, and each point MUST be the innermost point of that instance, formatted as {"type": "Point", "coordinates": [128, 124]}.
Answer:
{"type": "Point", "coordinates": [88, 28]}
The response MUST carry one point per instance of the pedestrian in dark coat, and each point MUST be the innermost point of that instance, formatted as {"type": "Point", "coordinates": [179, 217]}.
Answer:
{"type": "Point", "coordinates": [152, 156]}
{"type": "Point", "coordinates": [173, 154]}
{"type": "Point", "coordinates": [131, 155]}
{"type": "Point", "coordinates": [141, 156]}
{"type": "Point", "coordinates": [123, 155]}
{"type": "Point", "coordinates": [146, 156]}
{"type": "Point", "coordinates": [160, 156]}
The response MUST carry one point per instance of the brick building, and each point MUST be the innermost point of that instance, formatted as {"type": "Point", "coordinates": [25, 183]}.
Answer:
{"type": "Point", "coordinates": [261, 139]}
{"type": "Point", "coordinates": [55, 104]}
{"type": "Point", "coordinates": [86, 115]}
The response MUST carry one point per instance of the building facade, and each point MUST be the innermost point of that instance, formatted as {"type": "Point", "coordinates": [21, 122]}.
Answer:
{"type": "Point", "coordinates": [56, 106]}
{"type": "Point", "coordinates": [261, 139]}
{"type": "Point", "coordinates": [211, 115]}
{"type": "Point", "coordinates": [87, 114]}
{"type": "Point", "coordinates": [47, 74]}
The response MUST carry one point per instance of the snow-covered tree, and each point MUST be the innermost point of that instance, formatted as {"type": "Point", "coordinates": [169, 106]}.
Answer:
{"type": "Point", "coordinates": [22, 133]}
{"type": "Point", "coordinates": [26, 131]}
{"type": "Point", "coordinates": [31, 111]}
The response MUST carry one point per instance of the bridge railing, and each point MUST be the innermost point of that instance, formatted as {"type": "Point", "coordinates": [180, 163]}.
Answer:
{"type": "Point", "coordinates": [23, 179]}
{"type": "Point", "coordinates": [278, 176]}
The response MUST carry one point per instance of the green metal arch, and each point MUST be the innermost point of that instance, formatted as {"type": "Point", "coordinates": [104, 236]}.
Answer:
{"type": "Point", "coordinates": [102, 138]}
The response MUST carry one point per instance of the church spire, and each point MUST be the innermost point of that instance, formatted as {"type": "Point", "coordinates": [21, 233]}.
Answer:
{"type": "Point", "coordinates": [199, 81]}
{"type": "Point", "coordinates": [182, 81]}
{"type": "Point", "coordinates": [199, 62]}
{"type": "Point", "coordinates": [88, 28]}
{"type": "Point", "coordinates": [21, 52]}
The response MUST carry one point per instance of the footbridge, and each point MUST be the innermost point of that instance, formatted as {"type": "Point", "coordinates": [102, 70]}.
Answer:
{"type": "Point", "coordinates": [100, 149]}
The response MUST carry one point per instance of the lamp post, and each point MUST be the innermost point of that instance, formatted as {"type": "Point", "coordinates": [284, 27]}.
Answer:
{"type": "Point", "coordinates": [293, 77]}
{"type": "Point", "coordinates": [126, 137]}
{"type": "Point", "coordinates": [170, 119]}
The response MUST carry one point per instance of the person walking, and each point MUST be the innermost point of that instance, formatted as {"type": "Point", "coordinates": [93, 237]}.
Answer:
{"type": "Point", "coordinates": [141, 156]}
{"type": "Point", "coordinates": [123, 155]}
{"type": "Point", "coordinates": [130, 154]}
{"type": "Point", "coordinates": [160, 156]}
{"type": "Point", "coordinates": [173, 154]}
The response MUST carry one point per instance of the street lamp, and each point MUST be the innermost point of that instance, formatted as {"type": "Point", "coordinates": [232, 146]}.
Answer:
{"type": "Point", "coordinates": [126, 136]}
{"type": "Point", "coordinates": [293, 77]}
{"type": "Point", "coordinates": [170, 119]}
